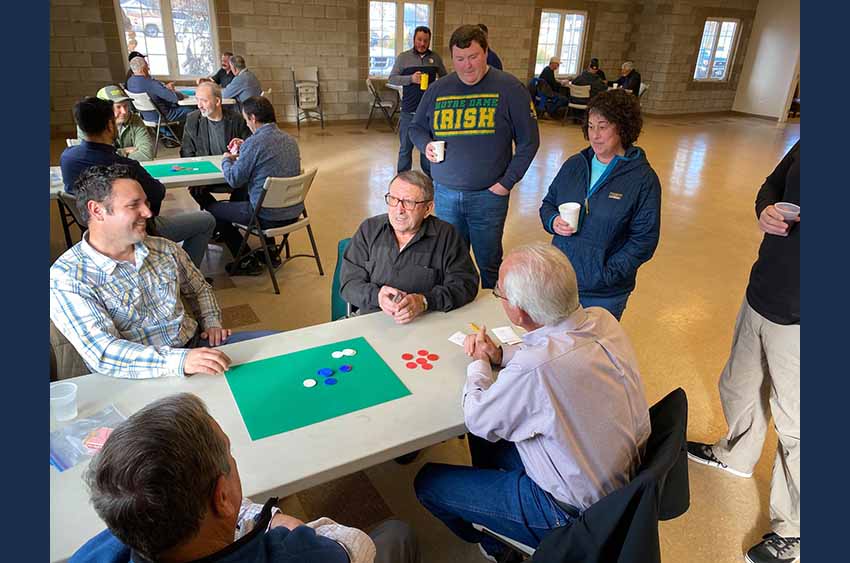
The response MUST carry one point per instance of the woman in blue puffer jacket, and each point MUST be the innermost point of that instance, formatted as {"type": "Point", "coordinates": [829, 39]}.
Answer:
{"type": "Point", "coordinates": [620, 198]}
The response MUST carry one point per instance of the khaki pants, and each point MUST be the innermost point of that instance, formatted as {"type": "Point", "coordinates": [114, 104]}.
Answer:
{"type": "Point", "coordinates": [763, 372]}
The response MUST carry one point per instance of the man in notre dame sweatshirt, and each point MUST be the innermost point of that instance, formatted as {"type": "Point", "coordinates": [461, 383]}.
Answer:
{"type": "Point", "coordinates": [479, 112]}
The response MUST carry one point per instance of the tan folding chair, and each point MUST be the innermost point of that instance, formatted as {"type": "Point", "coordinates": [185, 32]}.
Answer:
{"type": "Point", "coordinates": [277, 193]}
{"type": "Point", "coordinates": [388, 108]}
{"type": "Point", "coordinates": [308, 98]}
{"type": "Point", "coordinates": [579, 96]}
{"type": "Point", "coordinates": [142, 102]}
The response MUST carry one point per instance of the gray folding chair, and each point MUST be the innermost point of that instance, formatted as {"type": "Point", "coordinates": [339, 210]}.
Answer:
{"type": "Point", "coordinates": [142, 102]}
{"type": "Point", "coordinates": [69, 215]}
{"type": "Point", "coordinates": [281, 192]}
{"type": "Point", "coordinates": [308, 98]}
{"type": "Point", "coordinates": [387, 107]}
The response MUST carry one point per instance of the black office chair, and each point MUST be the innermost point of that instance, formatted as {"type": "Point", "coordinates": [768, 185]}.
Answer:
{"type": "Point", "coordinates": [623, 526]}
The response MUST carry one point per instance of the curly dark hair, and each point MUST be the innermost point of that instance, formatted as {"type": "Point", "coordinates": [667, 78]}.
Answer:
{"type": "Point", "coordinates": [620, 108]}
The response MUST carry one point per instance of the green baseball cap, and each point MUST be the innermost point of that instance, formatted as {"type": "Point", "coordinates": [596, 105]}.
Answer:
{"type": "Point", "coordinates": [112, 92]}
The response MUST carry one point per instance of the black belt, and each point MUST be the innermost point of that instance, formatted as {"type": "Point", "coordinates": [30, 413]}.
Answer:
{"type": "Point", "coordinates": [571, 510]}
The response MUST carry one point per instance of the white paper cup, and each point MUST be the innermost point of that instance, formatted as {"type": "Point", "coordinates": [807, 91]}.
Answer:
{"type": "Point", "coordinates": [570, 212]}
{"type": "Point", "coordinates": [63, 400]}
{"type": "Point", "coordinates": [439, 150]}
{"type": "Point", "coordinates": [789, 211]}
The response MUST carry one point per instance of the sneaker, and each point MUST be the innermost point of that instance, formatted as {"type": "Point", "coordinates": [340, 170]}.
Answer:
{"type": "Point", "coordinates": [407, 459]}
{"type": "Point", "coordinates": [248, 266]}
{"type": "Point", "coordinates": [702, 453]}
{"type": "Point", "coordinates": [260, 256]}
{"type": "Point", "coordinates": [511, 557]}
{"type": "Point", "coordinates": [774, 549]}
{"type": "Point", "coordinates": [170, 143]}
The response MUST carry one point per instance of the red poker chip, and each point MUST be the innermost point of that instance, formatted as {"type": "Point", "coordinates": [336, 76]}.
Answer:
{"type": "Point", "coordinates": [411, 365]}
{"type": "Point", "coordinates": [427, 366]}
{"type": "Point", "coordinates": [433, 357]}
{"type": "Point", "coordinates": [421, 361]}
{"type": "Point", "coordinates": [422, 352]}
{"type": "Point", "coordinates": [407, 356]}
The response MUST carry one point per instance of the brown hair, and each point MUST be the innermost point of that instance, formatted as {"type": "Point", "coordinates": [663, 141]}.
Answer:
{"type": "Point", "coordinates": [620, 108]}
{"type": "Point", "coordinates": [463, 37]}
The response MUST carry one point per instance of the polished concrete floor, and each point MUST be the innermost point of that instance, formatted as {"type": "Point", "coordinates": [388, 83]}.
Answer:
{"type": "Point", "coordinates": [680, 317]}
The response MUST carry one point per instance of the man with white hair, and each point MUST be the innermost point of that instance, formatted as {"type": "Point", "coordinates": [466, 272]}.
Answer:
{"type": "Point", "coordinates": [163, 96]}
{"type": "Point", "coordinates": [244, 84]}
{"type": "Point", "coordinates": [542, 451]}
{"type": "Point", "coordinates": [629, 78]}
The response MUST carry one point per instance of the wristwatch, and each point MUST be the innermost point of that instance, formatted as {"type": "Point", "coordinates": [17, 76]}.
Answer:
{"type": "Point", "coordinates": [425, 303]}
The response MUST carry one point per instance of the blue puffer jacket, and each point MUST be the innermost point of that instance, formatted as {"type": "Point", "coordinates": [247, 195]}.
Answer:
{"type": "Point", "coordinates": [620, 230]}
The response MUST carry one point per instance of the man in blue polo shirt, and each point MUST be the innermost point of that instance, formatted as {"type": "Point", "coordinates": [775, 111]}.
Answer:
{"type": "Point", "coordinates": [407, 72]}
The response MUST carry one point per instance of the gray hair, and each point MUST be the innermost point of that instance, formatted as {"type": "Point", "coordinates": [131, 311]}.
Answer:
{"type": "Point", "coordinates": [153, 480]}
{"type": "Point", "coordinates": [418, 179]}
{"type": "Point", "coordinates": [628, 65]}
{"type": "Point", "coordinates": [541, 281]}
{"type": "Point", "coordinates": [238, 61]}
{"type": "Point", "coordinates": [137, 64]}
{"type": "Point", "coordinates": [215, 89]}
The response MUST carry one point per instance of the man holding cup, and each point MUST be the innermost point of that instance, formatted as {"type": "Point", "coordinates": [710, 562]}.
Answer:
{"type": "Point", "coordinates": [414, 69]}
{"type": "Point", "coordinates": [476, 113]}
{"type": "Point", "coordinates": [764, 366]}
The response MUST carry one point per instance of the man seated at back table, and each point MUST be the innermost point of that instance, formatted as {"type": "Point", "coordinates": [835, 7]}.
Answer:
{"type": "Point", "coordinates": [163, 96]}
{"type": "Point", "coordinates": [224, 75]}
{"type": "Point", "coordinates": [563, 425]}
{"type": "Point", "coordinates": [95, 117]}
{"type": "Point", "coordinates": [407, 261]}
{"type": "Point", "coordinates": [244, 84]}
{"type": "Point", "coordinates": [183, 502]}
{"type": "Point", "coordinates": [210, 130]}
{"type": "Point", "coordinates": [133, 139]}
{"type": "Point", "coordinates": [117, 295]}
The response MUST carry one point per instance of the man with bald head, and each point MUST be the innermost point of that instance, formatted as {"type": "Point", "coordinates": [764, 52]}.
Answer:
{"type": "Point", "coordinates": [541, 450]}
{"type": "Point", "coordinates": [209, 131]}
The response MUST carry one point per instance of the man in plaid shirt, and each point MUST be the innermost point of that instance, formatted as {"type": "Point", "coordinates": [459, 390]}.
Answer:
{"type": "Point", "coordinates": [116, 295]}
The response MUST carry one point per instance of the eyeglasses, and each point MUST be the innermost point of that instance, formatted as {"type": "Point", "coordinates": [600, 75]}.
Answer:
{"type": "Point", "coordinates": [497, 293]}
{"type": "Point", "coordinates": [408, 204]}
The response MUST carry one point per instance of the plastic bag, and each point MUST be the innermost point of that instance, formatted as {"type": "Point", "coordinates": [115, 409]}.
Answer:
{"type": "Point", "coordinates": [69, 445]}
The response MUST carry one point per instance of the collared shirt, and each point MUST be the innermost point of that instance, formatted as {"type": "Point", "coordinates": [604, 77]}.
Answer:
{"type": "Point", "coordinates": [269, 152]}
{"type": "Point", "coordinates": [570, 397]}
{"type": "Point", "coordinates": [125, 319]}
{"type": "Point", "coordinates": [435, 263]}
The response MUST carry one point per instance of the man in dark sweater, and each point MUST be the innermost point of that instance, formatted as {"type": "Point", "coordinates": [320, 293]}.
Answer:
{"type": "Point", "coordinates": [407, 72]}
{"type": "Point", "coordinates": [224, 75]}
{"type": "Point", "coordinates": [590, 77]}
{"type": "Point", "coordinates": [406, 262]}
{"type": "Point", "coordinates": [95, 118]}
{"type": "Point", "coordinates": [479, 113]}
{"type": "Point", "coordinates": [766, 355]}
{"type": "Point", "coordinates": [629, 78]}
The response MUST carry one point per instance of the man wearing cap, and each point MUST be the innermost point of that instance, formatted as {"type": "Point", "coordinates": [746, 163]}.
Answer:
{"type": "Point", "coordinates": [590, 77]}
{"type": "Point", "coordinates": [548, 75]}
{"type": "Point", "coordinates": [133, 140]}
{"type": "Point", "coordinates": [163, 96]}
{"type": "Point", "coordinates": [224, 75]}
{"type": "Point", "coordinates": [244, 83]}
{"type": "Point", "coordinates": [407, 72]}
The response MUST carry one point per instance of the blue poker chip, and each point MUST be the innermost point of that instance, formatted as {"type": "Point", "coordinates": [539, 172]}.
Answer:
{"type": "Point", "coordinates": [330, 381]}
{"type": "Point", "coordinates": [325, 372]}
{"type": "Point", "coordinates": [345, 368]}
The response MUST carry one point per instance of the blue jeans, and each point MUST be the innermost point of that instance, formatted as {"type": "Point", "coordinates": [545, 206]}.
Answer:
{"type": "Point", "coordinates": [479, 218]}
{"type": "Point", "coordinates": [194, 228]}
{"type": "Point", "coordinates": [615, 304]}
{"type": "Point", "coordinates": [234, 337]}
{"type": "Point", "coordinates": [496, 493]}
{"type": "Point", "coordinates": [405, 149]}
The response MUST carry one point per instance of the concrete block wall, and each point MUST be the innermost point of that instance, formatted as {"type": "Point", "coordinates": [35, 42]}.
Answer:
{"type": "Point", "coordinates": [85, 55]}
{"type": "Point", "coordinates": [665, 42]}
{"type": "Point", "coordinates": [661, 36]}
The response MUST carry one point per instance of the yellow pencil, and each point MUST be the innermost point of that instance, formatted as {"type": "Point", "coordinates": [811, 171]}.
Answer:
{"type": "Point", "coordinates": [474, 327]}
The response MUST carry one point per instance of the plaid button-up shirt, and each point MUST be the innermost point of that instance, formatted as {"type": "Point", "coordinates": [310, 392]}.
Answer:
{"type": "Point", "coordinates": [127, 320]}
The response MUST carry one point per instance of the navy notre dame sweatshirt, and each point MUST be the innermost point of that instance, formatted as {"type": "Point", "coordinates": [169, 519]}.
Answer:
{"type": "Point", "coordinates": [479, 124]}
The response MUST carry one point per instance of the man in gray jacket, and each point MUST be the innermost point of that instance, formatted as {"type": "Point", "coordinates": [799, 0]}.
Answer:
{"type": "Point", "coordinates": [210, 130]}
{"type": "Point", "coordinates": [244, 83]}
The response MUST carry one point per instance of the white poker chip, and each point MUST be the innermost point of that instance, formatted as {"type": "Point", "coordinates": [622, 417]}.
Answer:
{"type": "Point", "coordinates": [309, 383]}
{"type": "Point", "coordinates": [349, 352]}
{"type": "Point", "coordinates": [337, 354]}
